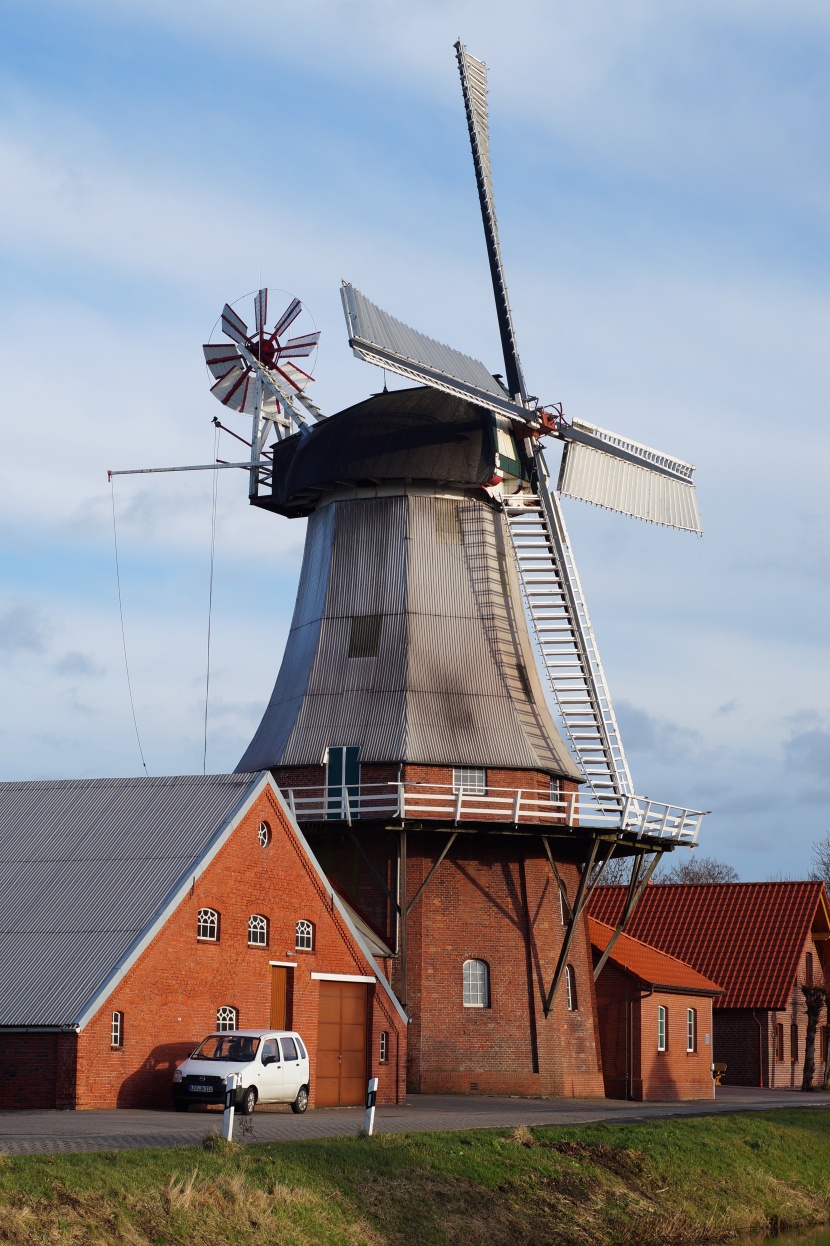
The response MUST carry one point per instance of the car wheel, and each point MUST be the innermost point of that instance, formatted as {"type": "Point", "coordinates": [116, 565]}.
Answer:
{"type": "Point", "coordinates": [180, 1105]}
{"type": "Point", "coordinates": [301, 1102]}
{"type": "Point", "coordinates": [248, 1102]}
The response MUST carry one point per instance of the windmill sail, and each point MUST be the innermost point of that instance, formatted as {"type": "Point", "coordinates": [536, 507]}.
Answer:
{"type": "Point", "coordinates": [380, 339]}
{"type": "Point", "coordinates": [625, 476]}
{"type": "Point", "coordinates": [474, 85]}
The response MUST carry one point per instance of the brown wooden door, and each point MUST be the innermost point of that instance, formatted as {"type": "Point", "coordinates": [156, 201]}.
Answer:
{"type": "Point", "coordinates": [341, 1045]}
{"type": "Point", "coordinates": [279, 997]}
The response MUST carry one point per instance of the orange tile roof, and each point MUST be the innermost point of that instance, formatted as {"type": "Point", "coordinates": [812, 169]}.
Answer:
{"type": "Point", "coordinates": [650, 966]}
{"type": "Point", "coordinates": [747, 936]}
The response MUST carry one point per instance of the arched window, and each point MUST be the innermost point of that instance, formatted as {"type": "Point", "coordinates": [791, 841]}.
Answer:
{"type": "Point", "coordinates": [662, 1024]}
{"type": "Point", "coordinates": [264, 834]}
{"type": "Point", "coordinates": [691, 1029]}
{"type": "Point", "coordinates": [207, 926]}
{"type": "Point", "coordinates": [570, 988]}
{"type": "Point", "coordinates": [476, 984]}
{"type": "Point", "coordinates": [304, 941]}
{"type": "Point", "coordinates": [257, 930]}
{"type": "Point", "coordinates": [226, 1017]}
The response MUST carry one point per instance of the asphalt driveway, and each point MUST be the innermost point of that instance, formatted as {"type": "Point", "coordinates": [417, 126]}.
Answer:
{"type": "Point", "coordinates": [33, 1132]}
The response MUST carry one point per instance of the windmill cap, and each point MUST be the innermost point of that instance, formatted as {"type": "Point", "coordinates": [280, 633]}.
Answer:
{"type": "Point", "coordinates": [419, 436]}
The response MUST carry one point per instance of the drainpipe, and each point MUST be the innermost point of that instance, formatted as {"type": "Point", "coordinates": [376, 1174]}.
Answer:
{"type": "Point", "coordinates": [760, 1046]}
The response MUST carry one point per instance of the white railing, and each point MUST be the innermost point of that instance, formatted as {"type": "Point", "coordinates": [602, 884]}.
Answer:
{"type": "Point", "coordinates": [634, 815]}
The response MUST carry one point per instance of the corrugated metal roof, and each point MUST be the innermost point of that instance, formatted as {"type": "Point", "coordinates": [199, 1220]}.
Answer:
{"type": "Point", "coordinates": [85, 866]}
{"type": "Point", "coordinates": [749, 937]}
{"type": "Point", "coordinates": [646, 963]}
{"type": "Point", "coordinates": [445, 687]}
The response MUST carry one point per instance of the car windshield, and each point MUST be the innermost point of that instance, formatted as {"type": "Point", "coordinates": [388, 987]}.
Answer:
{"type": "Point", "coordinates": [227, 1047]}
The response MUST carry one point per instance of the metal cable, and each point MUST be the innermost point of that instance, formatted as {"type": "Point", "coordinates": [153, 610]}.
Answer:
{"type": "Point", "coordinates": [210, 589]}
{"type": "Point", "coordinates": [123, 633]}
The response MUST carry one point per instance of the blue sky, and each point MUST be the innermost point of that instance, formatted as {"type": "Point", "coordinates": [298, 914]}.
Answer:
{"type": "Point", "coordinates": [661, 179]}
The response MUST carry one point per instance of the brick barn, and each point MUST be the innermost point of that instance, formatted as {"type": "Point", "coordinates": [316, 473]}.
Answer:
{"type": "Point", "coordinates": [655, 1021]}
{"type": "Point", "coordinates": [760, 942]}
{"type": "Point", "coordinates": [140, 914]}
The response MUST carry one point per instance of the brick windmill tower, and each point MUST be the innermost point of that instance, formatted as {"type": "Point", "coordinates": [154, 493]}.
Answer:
{"type": "Point", "coordinates": [408, 727]}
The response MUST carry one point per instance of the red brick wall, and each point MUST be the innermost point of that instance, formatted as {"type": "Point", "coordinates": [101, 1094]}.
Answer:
{"type": "Point", "coordinates": [494, 899]}
{"type": "Point", "coordinates": [170, 996]}
{"type": "Point", "coordinates": [745, 1038]}
{"type": "Point", "coordinates": [632, 1066]}
{"type": "Point", "coordinates": [675, 1073]}
{"type": "Point", "coordinates": [28, 1070]}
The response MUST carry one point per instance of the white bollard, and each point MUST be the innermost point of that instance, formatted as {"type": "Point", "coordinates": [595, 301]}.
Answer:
{"type": "Point", "coordinates": [371, 1095]}
{"type": "Point", "coordinates": [231, 1083]}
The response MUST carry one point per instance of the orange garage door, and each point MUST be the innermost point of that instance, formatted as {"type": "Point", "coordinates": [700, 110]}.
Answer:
{"type": "Point", "coordinates": [341, 1045]}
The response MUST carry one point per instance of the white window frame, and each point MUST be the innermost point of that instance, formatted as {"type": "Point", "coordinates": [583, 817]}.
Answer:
{"type": "Point", "coordinates": [570, 989]}
{"type": "Point", "coordinates": [469, 779]}
{"type": "Point", "coordinates": [207, 920]}
{"type": "Point", "coordinates": [476, 988]}
{"type": "Point", "coordinates": [264, 834]}
{"type": "Point", "coordinates": [304, 935]}
{"type": "Point", "coordinates": [662, 1027]}
{"type": "Point", "coordinates": [691, 1030]}
{"type": "Point", "coordinates": [117, 1030]}
{"type": "Point", "coordinates": [225, 1013]}
{"type": "Point", "coordinates": [257, 925]}
{"type": "Point", "coordinates": [383, 1055]}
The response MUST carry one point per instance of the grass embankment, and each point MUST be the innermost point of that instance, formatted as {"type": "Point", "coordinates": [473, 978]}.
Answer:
{"type": "Point", "coordinates": [679, 1181]}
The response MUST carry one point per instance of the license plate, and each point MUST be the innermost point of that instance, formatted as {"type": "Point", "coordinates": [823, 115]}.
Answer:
{"type": "Point", "coordinates": [208, 1090]}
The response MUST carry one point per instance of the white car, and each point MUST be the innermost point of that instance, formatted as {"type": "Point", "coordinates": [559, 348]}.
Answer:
{"type": "Point", "coordinates": [272, 1066]}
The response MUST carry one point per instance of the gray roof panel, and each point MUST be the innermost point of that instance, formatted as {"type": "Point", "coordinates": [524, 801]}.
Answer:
{"type": "Point", "coordinates": [86, 865]}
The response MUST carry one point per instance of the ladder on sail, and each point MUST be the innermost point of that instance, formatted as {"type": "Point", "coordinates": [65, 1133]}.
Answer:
{"type": "Point", "coordinates": [562, 627]}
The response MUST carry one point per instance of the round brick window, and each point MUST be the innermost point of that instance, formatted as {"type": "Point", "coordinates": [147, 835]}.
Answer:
{"type": "Point", "coordinates": [264, 835]}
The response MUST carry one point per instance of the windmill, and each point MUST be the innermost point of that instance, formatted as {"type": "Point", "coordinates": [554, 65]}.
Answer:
{"type": "Point", "coordinates": [256, 373]}
{"type": "Point", "coordinates": [408, 719]}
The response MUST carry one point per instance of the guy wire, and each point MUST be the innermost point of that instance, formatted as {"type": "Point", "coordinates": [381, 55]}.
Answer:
{"type": "Point", "coordinates": [210, 589]}
{"type": "Point", "coordinates": [123, 633]}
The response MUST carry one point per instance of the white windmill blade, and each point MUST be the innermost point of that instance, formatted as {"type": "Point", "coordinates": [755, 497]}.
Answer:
{"type": "Point", "coordinates": [624, 476]}
{"type": "Point", "coordinates": [380, 339]}
{"type": "Point", "coordinates": [261, 310]}
{"type": "Point", "coordinates": [287, 318]}
{"type": "Point", "coordinates": [234, 326]}
{"type": "Point", "coordinates": [474, 87]}
{"type": "Point", "coordinates": [298, 347]}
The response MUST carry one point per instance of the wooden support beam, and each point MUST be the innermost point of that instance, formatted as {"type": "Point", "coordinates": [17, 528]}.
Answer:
{"type": "Point", "coordinates": [636, 887]}
{"type": "Point", "coordinates": [433, 868]}
{"type": "Point", "coordinates": [579, 903]}
{"type": "Point", "coordinates": [374, 869]}
{"type": "Point", "coordinates": [403, 913]}
{"type": "Point", "coordinates": [563, 894]}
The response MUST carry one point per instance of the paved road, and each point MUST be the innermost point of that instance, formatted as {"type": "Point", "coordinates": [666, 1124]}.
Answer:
{"type": "Point", "coordinates": [33, 1132]}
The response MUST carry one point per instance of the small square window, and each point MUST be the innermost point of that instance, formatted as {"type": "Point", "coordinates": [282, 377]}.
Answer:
{"type": "Point", "coordinates": [364, 638]}
{"type": "Point", "coordinates": [469, 779]}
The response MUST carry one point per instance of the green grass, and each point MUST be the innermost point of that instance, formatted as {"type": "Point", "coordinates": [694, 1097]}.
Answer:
{"type": "Point", "coordinates": [677, 1181]}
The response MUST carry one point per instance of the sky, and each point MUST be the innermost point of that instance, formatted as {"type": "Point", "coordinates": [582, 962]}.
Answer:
{"type": "Point", "coordinates": [661, 179]}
